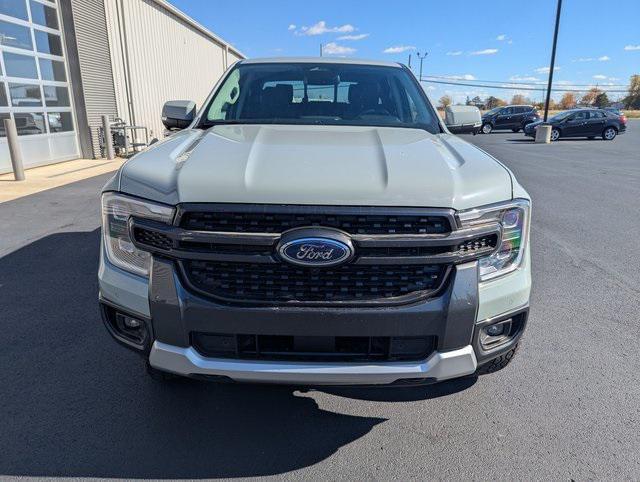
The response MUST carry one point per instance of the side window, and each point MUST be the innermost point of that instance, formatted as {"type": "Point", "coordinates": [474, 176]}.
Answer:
{"type": "Point", "coordinates": [227, 96]}
{"type": "Point", "coordinates": [520, 110]}
{"type": "Point", "coordinates": [595, 115]}
{"type": "Point", "coordinates": [579, 116]}
{"type": "Point", "coordinates": [507, 111]}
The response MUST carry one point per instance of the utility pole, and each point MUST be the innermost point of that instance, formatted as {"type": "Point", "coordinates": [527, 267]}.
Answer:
{"type": "Point", "coordinates": [553, 61]}
{"type": "Point", "coordinates": [409, 61]}
{"type": "Point", "coordinates": [421, 57]}
{"type": "Point", "coordinates": [321, 50]}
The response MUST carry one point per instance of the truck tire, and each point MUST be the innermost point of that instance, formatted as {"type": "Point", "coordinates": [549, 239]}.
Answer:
{"type": "Point", "coordinates": [486, 128]}
{"type": "Point", "coordinates": [159, 375]}
{"type": "Point", "coordinates": [498, 363]}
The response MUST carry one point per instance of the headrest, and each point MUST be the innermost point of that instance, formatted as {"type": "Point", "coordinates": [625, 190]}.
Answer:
{"type": "Point", "coordinates": [364, 93]}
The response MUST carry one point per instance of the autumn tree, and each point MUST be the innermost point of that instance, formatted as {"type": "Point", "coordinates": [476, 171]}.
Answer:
{"type": "Point", "coordinates": [632, 100]}
{"type": "Point", "coordinates": [492, 102]}
{"type": "Point", "coordinates": [568, 101]}
{"type": "Point", "coordinates": [590, 97]}
{"type": "Point", "coordinates": [445, 101]}
{"type": "Point", "coordinates": [520, 99]}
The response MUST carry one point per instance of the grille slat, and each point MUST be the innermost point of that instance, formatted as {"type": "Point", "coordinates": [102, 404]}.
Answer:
{"type": "Point", "coordinates": [274, 223]}
{"type": "Point", "coordinates": [283, 283]}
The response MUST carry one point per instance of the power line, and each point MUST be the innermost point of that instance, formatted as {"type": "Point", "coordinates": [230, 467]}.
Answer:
{"type": "Point", "coordinates": [506, 87]}
{"type": "Point", "coordinates": [539, 82]}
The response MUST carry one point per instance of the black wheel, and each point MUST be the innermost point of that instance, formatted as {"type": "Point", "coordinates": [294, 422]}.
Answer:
{"type": "Point", "coordinates": [497, 364]}
{"type": "Point", "coordinates": [515, 130]}
{"type": "Point", "coordinates": [555, 134]}
{"type": "Point", "coordinates": [487, 128]}
{"type": "Point", "coordinates": [609, 133]}
{"type": "Point", "coordinates": [159, 375]}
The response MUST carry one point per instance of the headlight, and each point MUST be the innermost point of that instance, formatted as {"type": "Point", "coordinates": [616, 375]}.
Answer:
{"type": "Point", "coordinates": [514, 219]}
{"type": "Point", "coordinates": [116, 211]}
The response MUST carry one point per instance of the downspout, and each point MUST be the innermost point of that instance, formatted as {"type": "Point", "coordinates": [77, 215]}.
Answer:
{"type": "Point", "coordinates": [124, 52]}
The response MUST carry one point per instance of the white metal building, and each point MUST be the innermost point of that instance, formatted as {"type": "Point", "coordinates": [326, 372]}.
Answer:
{"type": "Point", "coordinates": [65, 63]}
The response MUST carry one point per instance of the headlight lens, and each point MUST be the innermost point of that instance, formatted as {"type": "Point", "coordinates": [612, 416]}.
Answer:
{"type": "Point", "coordinates": [116, 211]}
{"type": "Point", "coordinates": [514, 218]}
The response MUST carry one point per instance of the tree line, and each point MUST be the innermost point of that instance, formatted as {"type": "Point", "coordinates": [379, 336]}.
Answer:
{"type": "Point", "coordinates": [595, 97]}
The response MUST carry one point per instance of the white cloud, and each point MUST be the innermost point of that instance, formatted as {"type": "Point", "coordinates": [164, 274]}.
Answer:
{"type": "Point", "coordinates": [600, 77]}
{"type": "Point", "coordinates": [604, 58]}
{"type": "Point", "coordinates": [333, 48]}
{"type": "Point", "coordinates": [461, 77]}
{"type": "Point", "coordinates": [524, 78]}
{"type": "Point", "coordinates": [485, 52]}
{"type": "Point", "coordinates": [354, 37]}
{"type": "Point", "coordinates": [545, 70]}
{"type": "Point", "coordinates": [584, 59]}
{"type": "Point", "coordinates": [398, 49]}
{"type": "Point", "coordinates": [455, 52]}
{"type": "Point", "coordinates": [292, 26]}
{"type": "Point", "coordinates": [632, 47]}
{"type": "Point", "coordinates": [501, 37]}
{"type": "Point", "coordinates": [322, 28]}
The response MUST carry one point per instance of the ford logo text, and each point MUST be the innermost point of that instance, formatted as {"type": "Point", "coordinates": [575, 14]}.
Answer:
{"type": "Point", "coordinates": [315, 252]}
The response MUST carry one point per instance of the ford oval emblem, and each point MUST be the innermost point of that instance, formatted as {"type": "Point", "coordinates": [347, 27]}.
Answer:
{"type": "Point", "coordinates": [315, 251]}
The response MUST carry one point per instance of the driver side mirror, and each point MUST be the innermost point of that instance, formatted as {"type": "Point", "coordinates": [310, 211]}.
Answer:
{"type": "Point", "coordinates": [178, 114]}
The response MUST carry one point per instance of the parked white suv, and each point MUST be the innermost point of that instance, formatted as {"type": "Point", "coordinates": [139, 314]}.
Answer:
{"type": "Point", "coordinates": [315, 223]}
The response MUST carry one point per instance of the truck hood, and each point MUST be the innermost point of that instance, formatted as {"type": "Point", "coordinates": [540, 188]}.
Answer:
{"type": "Point", "coordinates": [323, 165]}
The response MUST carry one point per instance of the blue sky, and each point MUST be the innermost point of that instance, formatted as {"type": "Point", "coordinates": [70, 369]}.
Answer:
{"type": "Point", "coordinates": [503, 40]}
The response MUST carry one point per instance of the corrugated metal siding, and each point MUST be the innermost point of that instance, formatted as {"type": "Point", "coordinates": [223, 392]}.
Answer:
{"type": "Point", "coordinates": [95, 64]}
{"type": "Point", "coordinates": [168, 59]}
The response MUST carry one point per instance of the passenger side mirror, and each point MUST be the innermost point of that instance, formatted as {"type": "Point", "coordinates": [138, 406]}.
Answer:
{"type": "Point", "coordinates": [178, 114]}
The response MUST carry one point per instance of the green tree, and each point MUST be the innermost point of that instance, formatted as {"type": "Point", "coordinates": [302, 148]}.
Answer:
{"type": "Point", "coordinates": [601, 100]}
{"type": "Point", "coordinates": [632, 100]}
{"type": "Point", "coordinates": [590, 97]}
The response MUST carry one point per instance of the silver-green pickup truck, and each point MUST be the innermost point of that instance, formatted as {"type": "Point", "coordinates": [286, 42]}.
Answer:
{"type": "Point", "coordinates": [315, 223]}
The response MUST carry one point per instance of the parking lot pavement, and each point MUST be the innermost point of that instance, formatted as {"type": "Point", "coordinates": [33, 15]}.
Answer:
{"type": "Point", "coordinates": [76, 404]}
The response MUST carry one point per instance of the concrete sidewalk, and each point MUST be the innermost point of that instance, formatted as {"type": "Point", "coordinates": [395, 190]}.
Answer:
{"type": "Point", "coordinates": [55, 175]}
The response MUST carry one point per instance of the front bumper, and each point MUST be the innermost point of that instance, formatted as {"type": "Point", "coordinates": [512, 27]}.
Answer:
{"type": "Point", "coordinates": [455, 318]}
{"type": "Point", "coordinates": [438, 367]}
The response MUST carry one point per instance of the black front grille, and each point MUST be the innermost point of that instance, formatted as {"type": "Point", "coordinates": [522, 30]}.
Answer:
{"type": "Point", "coordinates": [152, 238]}
{"type": "Point", "coordinates": [313, 348]}
{"type": "Point", "coordinates": [282, 283]}
{"type": "Point", "coordinates": [276, 222]}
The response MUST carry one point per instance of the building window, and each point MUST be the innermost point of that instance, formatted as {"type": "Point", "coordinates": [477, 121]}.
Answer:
{"type": "Point", "coordinates": [3, 116]}
{"type": "Point", "coordinates": [48, 43]}
{"type": "Point", "coordinates": [60, 122]}
{"type": "Point", "coordinates": [25, 95]}
{"type": "Point", "coordinates": [56, 96]}
{"type": "Point", "coordinates": [23, 66]}
{"type": "Point", "coordinates": [14, 8]}
{"type": "Point", "coordinates": [3, 96]}
{"type": "Point", "coordinates": [28, 124]}
{"type": "Point", "coordinates": [34, 89]}
{"type": "Point", "coordinates": [52, 70]}
{"type": "Point", "coordinates": [17, 36]}
{"type": "Point", "coordinates": [44, 15]}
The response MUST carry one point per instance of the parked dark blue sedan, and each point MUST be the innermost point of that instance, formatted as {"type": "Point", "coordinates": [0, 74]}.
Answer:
{"type": "Point", "coordinates": [589, 123]}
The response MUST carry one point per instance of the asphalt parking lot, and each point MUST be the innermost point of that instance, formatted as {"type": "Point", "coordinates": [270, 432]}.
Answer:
{"type": "Point", "coordinates": [76, 404]}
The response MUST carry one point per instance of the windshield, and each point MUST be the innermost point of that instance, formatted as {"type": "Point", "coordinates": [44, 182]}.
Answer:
{"type": "Point", "coordinates": [562, 115]}
{"type": "Point", "coordinates": [320, 94]}
{"type": "Point", "coordinates": [493, 111]}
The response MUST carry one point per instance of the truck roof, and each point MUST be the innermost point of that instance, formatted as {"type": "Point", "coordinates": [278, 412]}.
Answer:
{"type": "Point", "coordinates": [320, 60]}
